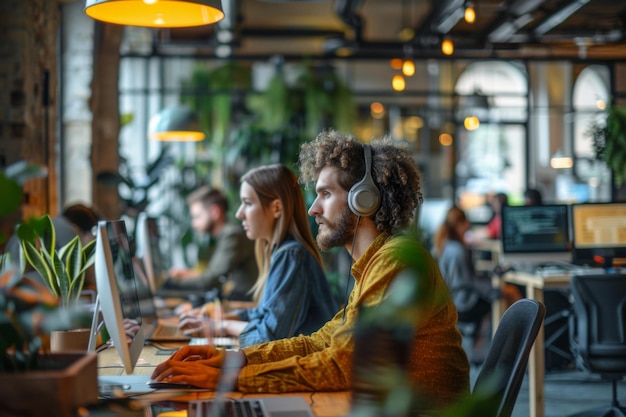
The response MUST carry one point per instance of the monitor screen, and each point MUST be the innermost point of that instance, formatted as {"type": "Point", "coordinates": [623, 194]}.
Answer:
{"type": "Point", "coordinates": [599, 232]}
{"type": "Point", "coordinates": [117, 292]}
{"type": "Point", "coordinates": [432, 214]}
{"type": "Point", "coordinates": [539, 233]}
{"type": "Point", "coordinates": [149, 250]}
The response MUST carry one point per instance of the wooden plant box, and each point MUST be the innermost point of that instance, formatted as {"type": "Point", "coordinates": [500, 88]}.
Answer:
{"type": "Point", "coordinates": [66, 381]}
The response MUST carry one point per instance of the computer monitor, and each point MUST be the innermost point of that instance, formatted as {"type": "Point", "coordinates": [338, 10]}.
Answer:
{"type": "Point", "coordinates": [535, 235]}
{"type": "Point", "coordinates": [117, 292]}
{"type": "Point", "coordinates": [599, 233]}
{"type": "Point", "coordinates": [431, 214]}
{"type": "Point", "coordinates": [149, 250]}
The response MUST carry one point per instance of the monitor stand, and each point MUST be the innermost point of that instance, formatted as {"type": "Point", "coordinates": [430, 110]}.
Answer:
{"type": "Point", "coordinates": [96, 325]}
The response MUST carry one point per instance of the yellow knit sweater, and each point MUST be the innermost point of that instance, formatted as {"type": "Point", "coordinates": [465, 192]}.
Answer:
{"type": "Point", "coordinates": [438, 366]}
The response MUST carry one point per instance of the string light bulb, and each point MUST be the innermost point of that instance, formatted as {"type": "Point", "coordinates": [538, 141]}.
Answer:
{"type": "Point", "coordinates": [470, 13]}
{"type": "Point", "coordinates": [471, 123]}
{"type": "Point", "coordinates": [447, 46]}
{"type": "Point", "coordinates": [398, 83]}
{"type": "Point", "coordinates": [408, 68]}
{"type": "Point", "coordinates": [396, 63]}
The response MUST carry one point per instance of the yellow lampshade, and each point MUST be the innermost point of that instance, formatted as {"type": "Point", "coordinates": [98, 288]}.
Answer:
{"type": "Point", "coordinates": [175, 124]}
{"type": "Point", "coordinates": [156, 13]}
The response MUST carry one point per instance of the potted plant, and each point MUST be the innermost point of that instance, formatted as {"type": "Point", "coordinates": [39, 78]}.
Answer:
{"type": "Point", "coordinates": [609, 142]}
{"type": "Point", "coordinates": [59, 382]}
{"type": "Point", "coordinates": [36, 382]}
{"type": "Point", "coordinates": [62, 270]}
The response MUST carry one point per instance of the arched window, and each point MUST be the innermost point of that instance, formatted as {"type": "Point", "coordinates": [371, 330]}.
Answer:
{"type": "Point", "coordinates": [590, 100]}
{"type": "Point", "coordinates": [491, 135]}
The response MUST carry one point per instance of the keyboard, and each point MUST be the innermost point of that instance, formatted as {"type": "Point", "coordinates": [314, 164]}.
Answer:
{"type": "Point", "coordinates": [229, 408]}
{"type": "Point", "coordinates": [165, 332]}
{"type": "Point", "coordinates": [226, 342]}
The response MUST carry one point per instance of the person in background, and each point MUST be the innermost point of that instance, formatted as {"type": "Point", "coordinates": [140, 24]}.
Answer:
{"type": "Point", "coordinates": [532, 197]}
{"type": "Point", "coordinates": [232, 267]}
{"type": "Point", "coordinates": [370, 229]}
{"type": "Point", "coordinates": [494, 227]}
{"type": "Point", "coordinates": [471, 293]}
{"type": "Point", "coordinates": [85, 220]}
{"type": "Point", "coordinates": [293, 294]}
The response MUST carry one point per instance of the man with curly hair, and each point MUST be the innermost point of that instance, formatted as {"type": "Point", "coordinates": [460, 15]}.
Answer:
{"type": "Point", "coordinates": [366, 219]}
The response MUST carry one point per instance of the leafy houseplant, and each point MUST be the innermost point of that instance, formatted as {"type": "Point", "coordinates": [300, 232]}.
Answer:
{"type": "Point", "coordinates": [609, 142]}
{"type": "Point", "coordinates": [59, 382]}
{"type": "Point", "coordinates": [35, 382]}
{"type": "Point", "coordinates": [63, 270]}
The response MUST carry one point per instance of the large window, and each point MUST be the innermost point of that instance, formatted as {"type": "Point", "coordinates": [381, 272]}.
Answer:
{"type": "Point", "coordinates": [590, 99]}
{"type": "Point", "coordinates": [491, 135]}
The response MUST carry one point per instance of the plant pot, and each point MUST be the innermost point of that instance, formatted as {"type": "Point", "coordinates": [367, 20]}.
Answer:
{"type": "Point", "coordinates": [76, 340]}
{"type": "Point", "coordinates": [62, 383]}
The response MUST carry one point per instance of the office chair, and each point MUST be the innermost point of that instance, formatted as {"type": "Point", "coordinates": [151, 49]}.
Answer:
{"type": "Point", "coordinates": [598, 332]}
{"type": "Point", "coordinates": [502, 373]}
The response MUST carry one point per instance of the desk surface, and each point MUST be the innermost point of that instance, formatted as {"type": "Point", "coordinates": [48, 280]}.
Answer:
{"type": "Point", "coordinates": [323, 404]}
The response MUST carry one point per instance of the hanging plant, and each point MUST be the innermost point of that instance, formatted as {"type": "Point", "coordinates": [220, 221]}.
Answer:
{"type": "Point", "coordinates": [609, 142]}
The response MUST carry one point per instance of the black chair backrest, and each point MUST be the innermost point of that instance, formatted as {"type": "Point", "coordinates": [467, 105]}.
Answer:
{"type": "Point", "coordinates": [502, 373]}
{"type": "Point", "coordinates": [600, 318]}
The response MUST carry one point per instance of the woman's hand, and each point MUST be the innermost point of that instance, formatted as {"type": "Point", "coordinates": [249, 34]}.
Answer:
{"type": "Point", "coordinates": [194, 324]}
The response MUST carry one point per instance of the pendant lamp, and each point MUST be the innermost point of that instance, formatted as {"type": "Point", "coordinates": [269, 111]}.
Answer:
{"type": "Point", "coordinates": [156, 13]}
{"type": "Point", "coordinates": [175, 124]}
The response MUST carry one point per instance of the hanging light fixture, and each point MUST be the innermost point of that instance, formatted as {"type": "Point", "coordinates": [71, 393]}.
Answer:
{"type": "Point", "coordinates": [398, 83]}
{"type": "Point", "coordinates": [156, 13]}
{"type": "Point", "coordinates": [408, 66]}
{"type": "Point", "coordinates": [471, 123]}
{"type": "Point", "coordinates": [561, 161]}
{"type": "Point", "coordinates": [447, 46]}
{"type": "Point", "coordinates": [470, 12]}
{"type": "Point", "coordinates": [175, 124]}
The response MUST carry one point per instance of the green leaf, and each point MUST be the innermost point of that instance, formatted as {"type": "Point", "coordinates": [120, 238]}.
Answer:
{"type": "Point", "coordinates": [38, 261]}
{"type": "Point", "coordinates": [11, 195]}
{"type": "Point", "coordinates": [72, 259]}
{"type": "Point", "coordinates": [60, 275]}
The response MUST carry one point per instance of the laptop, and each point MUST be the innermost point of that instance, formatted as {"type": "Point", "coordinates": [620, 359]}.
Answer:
{"type": "Point", "coordinates": [222, 406]}
{"type": "Point", "coordinates": [283, 406]}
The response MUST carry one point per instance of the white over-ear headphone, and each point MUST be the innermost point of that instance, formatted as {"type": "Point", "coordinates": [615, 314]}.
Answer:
{"type": "Point", "coordinates": [364, 196]}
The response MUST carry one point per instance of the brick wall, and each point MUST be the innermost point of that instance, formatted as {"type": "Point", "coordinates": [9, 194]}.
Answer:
{"type": "Point", "coordinates": [28, 102]}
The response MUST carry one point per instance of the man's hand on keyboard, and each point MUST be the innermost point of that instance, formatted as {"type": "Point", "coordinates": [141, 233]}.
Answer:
{"type": "Point", "coordinates": [199, 366]}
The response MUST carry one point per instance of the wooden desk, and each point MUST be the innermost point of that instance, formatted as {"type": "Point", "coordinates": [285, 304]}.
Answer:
{"type": "Point", "coordinates": [323, 404]}
{"type": "Point", "coordinates": [536, 363]}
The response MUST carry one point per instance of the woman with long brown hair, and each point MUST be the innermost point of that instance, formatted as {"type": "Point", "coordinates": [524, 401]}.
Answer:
{"type": "Point", "coordinates": [292, 293]}
{"type": "Point", "coordinates": [470, 293]}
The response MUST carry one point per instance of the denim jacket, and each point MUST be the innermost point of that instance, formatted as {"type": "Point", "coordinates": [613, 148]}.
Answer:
{"type": "Point", "coordinates": [297, 298]}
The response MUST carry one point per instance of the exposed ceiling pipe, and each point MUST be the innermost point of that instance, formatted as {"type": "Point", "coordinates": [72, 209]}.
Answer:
{"type": "Point", "coordinates": [347, 12]}
{"type": "Point", "coordinates": [439, 18]}
{"type": "Point", "coordinates": [514, 16]}
{"type": "Point", "coordinates": [558, 17]}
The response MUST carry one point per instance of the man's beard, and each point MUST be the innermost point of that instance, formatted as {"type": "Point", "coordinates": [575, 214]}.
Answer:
{"type": "Point", "coordinates": [338, 234]}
